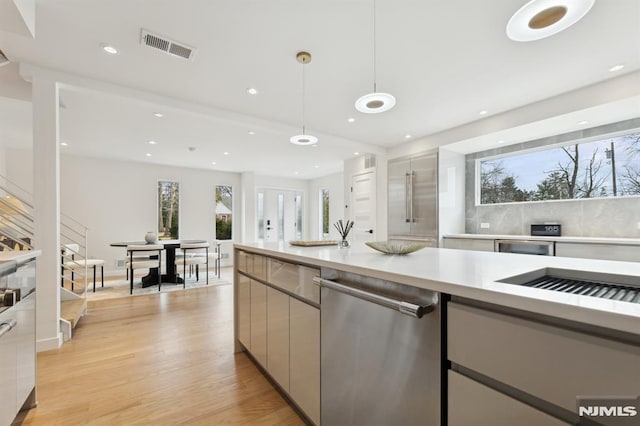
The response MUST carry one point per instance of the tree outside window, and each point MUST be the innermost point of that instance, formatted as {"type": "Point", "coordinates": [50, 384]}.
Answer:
{"type": "Point", "coordinates": [224, 212]}
{"type": "Point", "coordinates": [168, 210]}
{"type": "Point", "coordinates": [605, 168]}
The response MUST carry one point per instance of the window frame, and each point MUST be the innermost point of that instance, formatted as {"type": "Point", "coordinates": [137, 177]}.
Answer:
{"type": "Point", "coordinates": [515, 152]}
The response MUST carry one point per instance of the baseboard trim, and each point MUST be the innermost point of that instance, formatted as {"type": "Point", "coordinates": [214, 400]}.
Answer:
{"type": "Point", "coordinates": [49, 344]}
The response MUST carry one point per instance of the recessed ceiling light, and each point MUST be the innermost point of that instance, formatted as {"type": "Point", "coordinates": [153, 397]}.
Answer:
{"type": "Point", "coordinates": [148, 154]}
{"type": "Point", "coordinates": [109, 49]}
{"type": "Point", "coordinates": [356, 153]}
{"type": "Point", "coordinates": [225, 153]}
{"type": "Point", "coordinates": [616, 68]}
{"type": "Point", "coordinates": [316, 167]}
{"type": "Point", "coordinates": [251, 132]}
{"type": "Point", "coordinates": [374, 103]}
{"type": "Point", "coordinates": [252, 91]}
{"type": "Point", "coordinates": [543, 18]}
{"type": "Point", "coordinates": [583, 122]}
{"type": "Point", "coordinates": [407, 136]}
{"type": "Point", "coordinates": [295, 173]}
{"type": "Point", "coordinates": [158, 114]}
{"type": "Point", "coordinates": [500, 141]}
{"type": "Point", "coordinates": [351, 119]}
{"type": "Point", "coordinates": [64, 144]}
{"type": "Point", "coordinates": [213, 163]}
{"type": "Point", "coordinates": [483, 112]}
{"type": "Point", "coordinates": [152, 142]}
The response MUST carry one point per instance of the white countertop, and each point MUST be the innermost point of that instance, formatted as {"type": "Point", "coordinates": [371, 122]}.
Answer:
{"type": "Point", "coordinates": [474, 275]}
{"type": "Point", "coordinates": [584, 240]}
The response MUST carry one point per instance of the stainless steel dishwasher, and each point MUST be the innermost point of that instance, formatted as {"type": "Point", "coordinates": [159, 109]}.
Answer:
{"type": "Point", "coordinates": [380, 352]}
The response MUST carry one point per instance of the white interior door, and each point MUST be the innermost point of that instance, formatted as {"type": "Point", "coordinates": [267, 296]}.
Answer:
{"type": "Point", "coordinates": [279, 219]}
{"type": "Point", "coordinates": [363, 206]}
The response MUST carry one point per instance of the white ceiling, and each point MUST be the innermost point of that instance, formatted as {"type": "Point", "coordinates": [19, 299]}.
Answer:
{"type": "Point", "coordinates": [444, 62]}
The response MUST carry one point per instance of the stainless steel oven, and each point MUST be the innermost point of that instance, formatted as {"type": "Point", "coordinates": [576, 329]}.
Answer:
{"type": "Point", "coordinates": [540, 248]}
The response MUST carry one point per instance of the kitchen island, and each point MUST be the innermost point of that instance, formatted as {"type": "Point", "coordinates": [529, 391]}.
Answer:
{"type": "Point", "coordinates": [530, 350]}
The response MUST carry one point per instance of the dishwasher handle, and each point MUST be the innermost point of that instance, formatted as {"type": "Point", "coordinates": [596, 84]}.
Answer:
{"type": "Point", "coordinates": [7, 326]}
{"type": "Point", "coordinates": [407, 308]}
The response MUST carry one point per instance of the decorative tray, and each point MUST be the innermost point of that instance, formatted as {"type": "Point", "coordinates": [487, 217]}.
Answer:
{"type": "Point", "coordinates": [396, 246]}
{"type": "Point", "coordinates": [310, 243]}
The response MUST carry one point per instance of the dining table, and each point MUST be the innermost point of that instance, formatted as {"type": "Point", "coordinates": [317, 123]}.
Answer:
{"type": "Point", "coordinates": [170, 275]}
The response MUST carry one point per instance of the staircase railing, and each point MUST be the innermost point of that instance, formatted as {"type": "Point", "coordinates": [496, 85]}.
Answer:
{"type": "Point", "coordinates": [17, 233]}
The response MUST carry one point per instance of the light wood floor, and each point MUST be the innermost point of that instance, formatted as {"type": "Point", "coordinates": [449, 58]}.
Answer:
{"type": "Point", "coordinates": [161, 359]}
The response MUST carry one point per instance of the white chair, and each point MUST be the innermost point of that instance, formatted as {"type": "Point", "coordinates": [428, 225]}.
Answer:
{"type": "Point", "coordinates": [193, 254]}
{"type": "Point", "coordinates": [140, 256]}
{"type": "Point", "coordinates": [70, 251]}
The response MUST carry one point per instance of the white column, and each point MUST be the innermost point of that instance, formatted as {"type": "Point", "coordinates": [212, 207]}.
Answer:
{"type": "Point", "coordinates": [248, 189]}
{"type": "Point", "coordinates": [46, 196]}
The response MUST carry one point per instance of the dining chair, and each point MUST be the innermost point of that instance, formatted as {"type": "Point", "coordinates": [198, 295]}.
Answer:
{"type": "Point", "coordinates": [70, 251]}
{"type": "Point", "coordinates": [193, 254]}
{"type": "Point", "coordinates": [140, 256]}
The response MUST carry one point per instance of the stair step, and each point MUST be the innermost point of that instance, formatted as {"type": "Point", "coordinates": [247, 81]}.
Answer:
{"type": "Point", "coordinates": [72, 310]}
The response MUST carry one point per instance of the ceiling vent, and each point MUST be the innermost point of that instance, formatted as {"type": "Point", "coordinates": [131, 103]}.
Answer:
{"type": "Point", "coordinates": [170, 47]}
{"type": "Point", "coordinates": [369, 161]}
{"type": "Point", "coordinates": [3, 59]}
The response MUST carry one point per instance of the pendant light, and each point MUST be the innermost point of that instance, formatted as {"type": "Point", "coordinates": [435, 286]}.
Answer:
{"type": "Point", "coordinates": [303, 139]}
{"type": "Point", "coordinates": [375, 102]}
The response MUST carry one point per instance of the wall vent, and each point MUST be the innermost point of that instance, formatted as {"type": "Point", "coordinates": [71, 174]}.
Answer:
{"type": "Point", "coordinates": [166, 45]}
{"type": "Point", "coordinates": [369, 161]}
{"type": "Point", "coordinates": [3, 59]}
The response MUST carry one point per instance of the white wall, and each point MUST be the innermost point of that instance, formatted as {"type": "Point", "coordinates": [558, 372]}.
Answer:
{"type": "Point", "coordinates": [335, 184]}
{"type": "Point", "coordinates": [117, 200]}
{"type": "Point", "coordinates": [451, 193]}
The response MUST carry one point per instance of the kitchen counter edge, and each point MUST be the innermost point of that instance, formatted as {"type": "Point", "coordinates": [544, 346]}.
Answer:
{"type": "Point", "coordinates": [475, 275]}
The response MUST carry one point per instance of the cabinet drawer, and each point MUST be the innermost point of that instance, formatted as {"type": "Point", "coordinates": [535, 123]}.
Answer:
{"type": "Point", "coordinates": [625, 253]}
{"type": "Point", "coordinates": [468, 244]}
{"type": "Point", "coordinates": [471, 404]}
{"type": "Point", "coordinates": [294, 278]}
{"type": "Point", "coordinates": [551, 363]}
{"type": "Point", "coordinates": [252, 264]}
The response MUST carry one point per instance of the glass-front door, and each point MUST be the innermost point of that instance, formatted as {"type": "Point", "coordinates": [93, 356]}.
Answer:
{"type": "Point", "coordinates": [279, 214]}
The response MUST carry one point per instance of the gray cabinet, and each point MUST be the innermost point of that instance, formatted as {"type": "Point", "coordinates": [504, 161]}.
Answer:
{"type": "Point", "coordinates": [412, 197]}
{"type": "Point", "coordinates": [244, 310]}
{"type": "Point", "coordinates": [624, 252]}
{"type": "Point", "coordinates": [469, 244]}
{"type": "Point", "coordinates": [549, 362]}
{"type": "Point", "coordinates": [279, 325]}
{"type": "Point", "coordinates": [259, 322]}
{"type": "Point", "coordinates": [278, 337]}
{"type": "Point", "coordinates": [305, 357]}
{"type": "Point", "coordinates": [472, 404]}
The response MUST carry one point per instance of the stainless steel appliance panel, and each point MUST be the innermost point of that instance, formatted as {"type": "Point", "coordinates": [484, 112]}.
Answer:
{"type": "Point", "coordinates": [424, 199]}
{"type": "Point", "coordinates": [540, 248]}
{"type": "Point", "coordinates": [378, 365]}
{"type": "Point", "coordinates": [398, 193]}
{"type": "Point", "coordinates": [413, 197]}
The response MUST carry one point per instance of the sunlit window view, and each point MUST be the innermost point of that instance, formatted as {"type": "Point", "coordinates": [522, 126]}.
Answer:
{"type": "Point", "coordinates": [604, 168]}
{"type": "Point", "coordinates": [224, 212]}
{"type": "Point", "coordinates": [168, 210]}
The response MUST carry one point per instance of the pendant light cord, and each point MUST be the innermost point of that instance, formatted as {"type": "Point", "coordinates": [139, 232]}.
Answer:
{"type": "Point", "coordinates": [303, 127]}
{"type": "Point", "coordinates": [374, 48]}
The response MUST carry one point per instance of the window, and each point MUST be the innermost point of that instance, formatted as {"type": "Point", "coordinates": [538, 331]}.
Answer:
{"type": "Point", "coordinates": [168, 210]}
{"type": "Point", "coordinates": [608, 167]}
{"type": "Point", "coordinates": [298, 206]}
{"type": "Point", "coordinates": [324, 213]}
{"type": "Point", "coordinates": [260, 208]}
{"type": "Point", "coordinates": [224, 212]}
